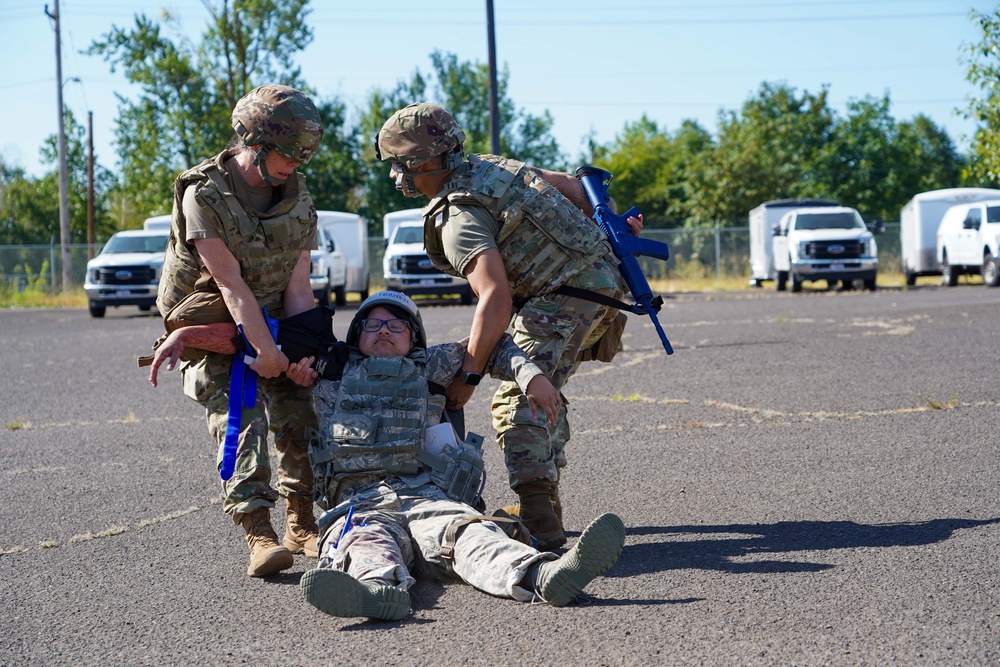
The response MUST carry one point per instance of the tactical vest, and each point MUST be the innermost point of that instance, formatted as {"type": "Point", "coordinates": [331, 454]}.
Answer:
{"type": "Point", "coordinates": [266, 245]}
{"type": "Point", "coordinates": [374, 423]}
{"type": "Point", "coordinates": [544, 239]}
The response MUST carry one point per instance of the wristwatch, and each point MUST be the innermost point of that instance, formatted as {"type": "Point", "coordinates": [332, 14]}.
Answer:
{"type": "Point", "coordinates": [469, 378]}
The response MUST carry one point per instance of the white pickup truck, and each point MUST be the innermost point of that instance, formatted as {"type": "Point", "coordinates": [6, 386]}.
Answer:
{"type": "Point", "coordinates": [968, 241]}
{"type": "Point", "coordinates": [828, 243]}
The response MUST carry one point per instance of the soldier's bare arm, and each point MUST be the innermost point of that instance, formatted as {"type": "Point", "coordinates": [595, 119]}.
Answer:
{"type": "Point", "coordinates": [488, 279]}
{"type": "Point", "coordinates": [217, 337]}
{"type": "Point", "coordinates": [242, 305]}
{"type": "Point", "coordinates": [298, 296]}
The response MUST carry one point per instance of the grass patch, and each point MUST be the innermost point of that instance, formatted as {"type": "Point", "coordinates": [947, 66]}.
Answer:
{"type": "Point", "coordinates": [938, 405]}
{"type": "Point", "coordinates": [18, 424]}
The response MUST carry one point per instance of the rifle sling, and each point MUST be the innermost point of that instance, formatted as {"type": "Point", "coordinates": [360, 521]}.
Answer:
{"type": "Point", "coordinates": [595, 297]}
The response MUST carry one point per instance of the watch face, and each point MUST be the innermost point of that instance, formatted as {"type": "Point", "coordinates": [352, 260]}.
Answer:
{"type": "Point", "coordinates": [471, 379]}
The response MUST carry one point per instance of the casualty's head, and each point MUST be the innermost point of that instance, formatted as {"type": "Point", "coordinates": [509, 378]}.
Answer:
{"type": "Point", "coordinates": [387, 324]}
{"type": "Point", "coordinates": [279, 122]}
{"type": "Point", "coordinates": [415, 136]}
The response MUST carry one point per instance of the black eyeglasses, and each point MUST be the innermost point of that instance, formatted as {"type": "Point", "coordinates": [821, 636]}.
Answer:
{"type": "Point", "coordinates": [373, 324]}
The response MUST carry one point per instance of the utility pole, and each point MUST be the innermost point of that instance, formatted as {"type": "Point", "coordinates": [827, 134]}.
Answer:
{"type": "Point", "coordinates": [67, 261]}
{"type": "Point", "coordinates": [91, 238]}
{"type": "Point", "coordinates": [494, 107]}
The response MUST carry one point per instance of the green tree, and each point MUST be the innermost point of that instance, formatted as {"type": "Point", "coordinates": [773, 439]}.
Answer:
{"type": "Point", "coordinates": [651, 167]}
{"type": "Point", "coordinates": [982, 62]}
{"type": "Point", "coordinates": [859, 166]}
{"type": "Point", "coordinates": [461, 88]}
{"type": "Point", "coordinates": [29, 207]}
{"type": "Point", "coordinates": [765, 151]}
{"type": "Point", "coordinates": [181, 115]}
{"type": "Point", "coordinates": [931, 160]}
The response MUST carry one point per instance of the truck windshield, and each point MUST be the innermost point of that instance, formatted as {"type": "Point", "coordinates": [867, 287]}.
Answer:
{"type": "Point", "coordinates": [993, 214]}
{"type": "Point", "coordinates": [841, 220]}
{"type": "Point", "coordinates": [123, 244]}
{"type": "Point", "coordinates": [409, 235]}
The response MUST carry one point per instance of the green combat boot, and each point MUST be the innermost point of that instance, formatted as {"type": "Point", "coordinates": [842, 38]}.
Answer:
{"type": "Point", "coordinates": [267, 557]}
{"type": "Point", "coordinates": [300, 526]}
{"type": "Point", "coordinates": [339, 594]}
{"type": "Point", "coordinates": [558, 582]}
{"type": "Point", "coordinates": [537, 511]}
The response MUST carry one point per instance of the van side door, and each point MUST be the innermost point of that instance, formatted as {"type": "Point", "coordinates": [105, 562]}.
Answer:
{"type": "Point", "coordinates": [968, 248]}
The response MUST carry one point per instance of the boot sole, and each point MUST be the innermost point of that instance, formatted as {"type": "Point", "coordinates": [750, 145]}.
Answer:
{"type": "Point", "coordinates": [598, 548]}
{"type": "Point", "coordinates": [339, 594]}
{"type": "Point", "coordinates": [272, 561]}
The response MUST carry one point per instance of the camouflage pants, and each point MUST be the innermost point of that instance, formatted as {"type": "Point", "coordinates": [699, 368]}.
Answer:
{"type": "Point", "coordinates": [401, 530]}
{"type": "Point", "coordinates": [282, 407]}
{"type": "Point", "coordinates": [552, 330]}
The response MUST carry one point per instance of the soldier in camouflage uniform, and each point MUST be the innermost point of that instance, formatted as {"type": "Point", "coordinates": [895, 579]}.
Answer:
{"type": "Point", "coordinates": [398, 483]}
{"type": "Point", "coordinates": [243, 226]}
{"type": "Point", "coordinates": [519, 235]}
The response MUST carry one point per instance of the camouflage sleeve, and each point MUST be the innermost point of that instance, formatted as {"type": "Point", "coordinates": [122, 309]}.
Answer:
{"type": "Point", "coordinates": [443, 362]}
{"type": "Point", "coordinates": [509, 362]}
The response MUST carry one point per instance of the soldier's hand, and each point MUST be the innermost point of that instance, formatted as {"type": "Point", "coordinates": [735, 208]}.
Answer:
{"type": "Point", "coordinates": [270, 365]}
{"type": "Point", "coordinates": [543, 396]}
{"type": "Point", "coordinates": [169, 351]}
{"type": "Point", "coordinates": [302, 373]}
{"type": "Point", "coordinates": [458, 394]}
{"type": "Point", "coordinates": [635, 224]}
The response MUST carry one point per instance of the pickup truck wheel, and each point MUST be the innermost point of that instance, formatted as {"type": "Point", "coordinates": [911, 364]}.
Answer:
{"type": "Point", "coordinates": [949, 276]}
{"type": "Point", "coordinates": [145, 309]}
{"type": "Point", "coordinates": [911, 278]}
{"type": "Point", "coordinates": [870, 284]}
{"type": "Point", "coordinates": [467, 296]}
{"type": "Point", "coordinates": [340, 296]}
{"type": "Point", "coordinates": [97, 311]}
{"type": "Point", "coordinates": [324, 296]}
{"type": "Point", "coordinates": [796, 282]}
{"type": "Point", "coordinates": [779, 282]}
{"type": "Point", "coordinates": [991, 273]}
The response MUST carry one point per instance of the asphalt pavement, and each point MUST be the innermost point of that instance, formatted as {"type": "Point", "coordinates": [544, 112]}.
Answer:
{"type": "Point", "coordinates": [810, 479]}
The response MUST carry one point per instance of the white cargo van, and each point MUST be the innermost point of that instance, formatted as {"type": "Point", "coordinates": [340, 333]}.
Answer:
{"type": "Point", "coordinates": [327, 270]}
{"type": "Point", "coordinates": [968, 241]}
{"type": "Point", "coordinates": [158, 223]}
{"type": "Point", "coordinates": [918, 226]}
{"type": "Point", "coordinates": [830, 243]}
{"type": "Point", "coordinates": [350, 232]}
{"type": "Point", "coordinates": [405, 265]}
{"type": "Point", "coordinates": [763, 220]}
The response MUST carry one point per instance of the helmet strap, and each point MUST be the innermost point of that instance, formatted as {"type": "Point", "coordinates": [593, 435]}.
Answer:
{"type": "Point", "coordinates": [260, 161]}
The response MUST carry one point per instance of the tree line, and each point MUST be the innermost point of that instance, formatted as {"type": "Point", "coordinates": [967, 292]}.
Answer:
{"type": "Point", "coordinates": [782, 142]}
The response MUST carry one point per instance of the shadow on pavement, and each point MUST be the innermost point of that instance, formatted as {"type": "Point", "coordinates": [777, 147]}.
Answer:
{"type": "Point", "coordinates": [722, 547]}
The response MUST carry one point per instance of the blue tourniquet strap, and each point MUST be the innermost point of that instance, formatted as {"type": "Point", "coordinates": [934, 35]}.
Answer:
{"type": "Point", "coordinates": [242, 393]}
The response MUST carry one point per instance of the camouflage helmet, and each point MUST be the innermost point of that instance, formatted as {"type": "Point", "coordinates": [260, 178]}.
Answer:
{"type": "Point", "coordinates": [280, 117]}
{"type": "Point", "coordinates": [419, 133]}
{"type": "Point", "coordinates": [397, 303]}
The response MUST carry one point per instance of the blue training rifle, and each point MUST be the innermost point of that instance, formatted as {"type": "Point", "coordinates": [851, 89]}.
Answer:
{"type": "Point", "coordinates": [626, 246]}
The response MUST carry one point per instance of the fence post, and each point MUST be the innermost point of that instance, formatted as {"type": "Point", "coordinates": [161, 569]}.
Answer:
{"type": "Point", "coordinates": [718, 252]}
{"type": "Point", "coordinates": [52, 262]}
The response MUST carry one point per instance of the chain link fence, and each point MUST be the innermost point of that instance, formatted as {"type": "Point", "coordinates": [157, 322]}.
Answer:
{"type": "Point", "coordinates": [694, 252]}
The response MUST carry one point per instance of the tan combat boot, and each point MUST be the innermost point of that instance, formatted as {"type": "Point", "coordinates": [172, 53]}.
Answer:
{"type": "Point", "coordinates": [515, 509]}
{"type": "Point", "coordinates": [538, 513]}
{"type": "Point", "coordinates": [267, 557]}
{"type": "Point", "coordinates": [300, 526]}
{"type": "Point", "coordinates": [559, 582]}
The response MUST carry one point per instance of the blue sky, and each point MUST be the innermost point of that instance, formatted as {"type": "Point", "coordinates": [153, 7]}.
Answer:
{"type": "Point", "coordinates": [594, 65]}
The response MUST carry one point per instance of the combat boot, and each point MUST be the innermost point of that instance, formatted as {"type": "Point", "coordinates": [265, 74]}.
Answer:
{"type": "Point", "coordinates": [267, 557]}
{"type": "Point", "coordinates": [300, 526]}
{"type": "Point", "coordinates": [339, 594]}
{"type": "Point", "coordinates": [515, 509]}
{"type": "Point", "coordinates": [538, 514]}
{"type": "Point", "coordinates": [558, 582]}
